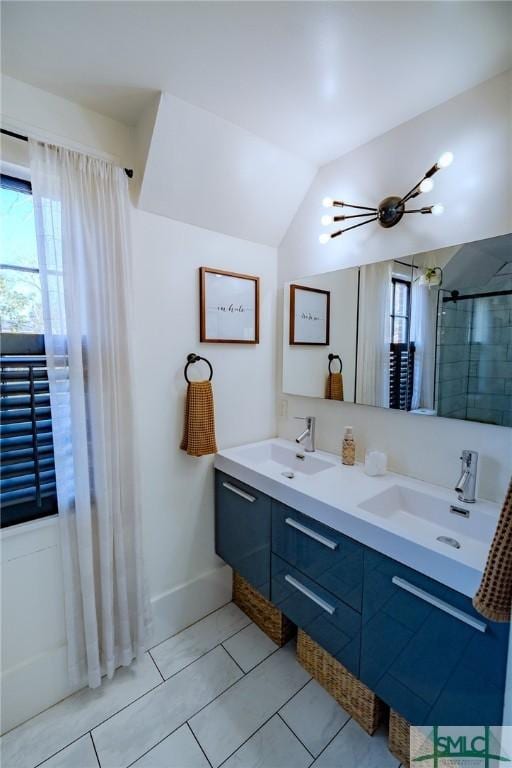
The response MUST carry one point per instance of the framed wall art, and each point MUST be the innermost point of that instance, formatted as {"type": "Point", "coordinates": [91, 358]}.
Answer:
{"type": "Point", "coordinates": [229, 307]}
{"type": "Point", "coordinates": [309, 315]}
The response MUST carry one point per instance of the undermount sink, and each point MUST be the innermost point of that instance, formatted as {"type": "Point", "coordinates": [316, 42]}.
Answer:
{"type": "Point", "coordinates": [272, 458]}
{"type": "Point", "coordinates": [434, 518]}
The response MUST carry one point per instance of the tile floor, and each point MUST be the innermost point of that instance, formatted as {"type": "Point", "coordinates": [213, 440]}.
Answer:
{"type": "Point", "coordinates": [220, 693]}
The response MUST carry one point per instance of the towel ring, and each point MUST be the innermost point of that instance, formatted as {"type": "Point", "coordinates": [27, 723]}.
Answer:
{"type": "Point", "coordinates": [193, 358]}
{"type": "Point", "coordinates": [334, 357]}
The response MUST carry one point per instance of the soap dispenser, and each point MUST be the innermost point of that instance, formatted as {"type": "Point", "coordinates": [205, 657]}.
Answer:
{"type": "Point", "coordinates": [348, 448]}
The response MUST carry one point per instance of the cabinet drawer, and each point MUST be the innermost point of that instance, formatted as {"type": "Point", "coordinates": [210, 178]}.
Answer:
{"type": "Point", "coordinates": [325, 618]}
{"type": "Point", "coordinates": [426, 652]}
{"type": "Point", "coordinates": [331, 559]}
{"type": "Point", "coordinates": [242, 530]}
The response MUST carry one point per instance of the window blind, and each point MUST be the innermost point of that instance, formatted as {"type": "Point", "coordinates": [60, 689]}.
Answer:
{"type": "Point", "coordinates": [401, 371]}
{"type": "Point", "coordinates": [27, 481]}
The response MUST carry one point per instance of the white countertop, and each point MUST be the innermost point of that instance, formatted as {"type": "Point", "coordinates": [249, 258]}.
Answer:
{"type": "Point", "coordinates": [334, 495]}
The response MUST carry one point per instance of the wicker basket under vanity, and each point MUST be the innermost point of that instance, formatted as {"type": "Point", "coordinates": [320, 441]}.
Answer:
{"type": "Point", "coordinates": [399, 738]}
{"type": "Point", "coordinates": [401, 735]}
{"type": "Point", "coordinates": [355, 698]}
{"type": "Point", "coordinates": [261, 611]}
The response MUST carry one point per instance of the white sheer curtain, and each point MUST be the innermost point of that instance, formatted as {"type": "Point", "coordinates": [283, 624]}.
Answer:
{"type": "Point", "coordinates": [81, 208]}
{"type": "Point", "coordinates": [422, 333]}
{"type": "Point", "coordinates": [374, 334]}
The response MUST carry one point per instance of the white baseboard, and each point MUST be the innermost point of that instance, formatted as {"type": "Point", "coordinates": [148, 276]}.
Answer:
{"type": "Point", "coordinates": [33, 686]}
{"type": "Point", "coordinates": [179, 607]}
{"type": "Point", "coordinates": [42, 681]}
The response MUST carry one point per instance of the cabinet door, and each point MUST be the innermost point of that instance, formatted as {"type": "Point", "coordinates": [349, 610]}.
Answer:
{"type": "Point", "coordinates": [331, 559]}
{"type": "Point", "coordinates": [329, 621]}
{"type": "Point", "coordinates": [426, 652]}
{"type": "Point", "coordinates": [242, 530]}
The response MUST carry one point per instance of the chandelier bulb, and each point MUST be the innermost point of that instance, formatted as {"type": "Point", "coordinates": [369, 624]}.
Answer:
{"type": "Point", "coordinates": [427, 185]}
{"type": "Point", "coordinates": [327, 202]}
{"type": "Point", "coordinates": [324, 238]}
{"type": "Point", "coordinates": [437, 209]}
{"type": "Point", "coordinates": [445, 160]}
{"type": "Point", "coordinates": [327, 220]}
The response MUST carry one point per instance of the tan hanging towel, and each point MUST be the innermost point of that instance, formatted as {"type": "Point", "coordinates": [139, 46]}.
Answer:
{"type": "Point", "coordinates": [494, 597]}
{"type": "Point", "coordinates": [199, 429]}
{"type": "Point", "coordinates": [334, 386]}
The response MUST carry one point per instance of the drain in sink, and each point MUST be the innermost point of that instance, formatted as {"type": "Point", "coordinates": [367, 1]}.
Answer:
{"type": "Point", "coordinates": [289, 475]}
{"type": "Point", "coordinates": [449, 541]}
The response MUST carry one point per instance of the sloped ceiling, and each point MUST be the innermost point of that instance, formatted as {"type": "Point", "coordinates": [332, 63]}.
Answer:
{"type": "Point", "coordinates": [203, 170]}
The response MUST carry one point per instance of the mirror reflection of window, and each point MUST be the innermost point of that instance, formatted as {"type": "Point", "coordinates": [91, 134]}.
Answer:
{"type": "Point", "coordinates": [401, 355]}
{"type": "Point", "coordinates": [400, 307]}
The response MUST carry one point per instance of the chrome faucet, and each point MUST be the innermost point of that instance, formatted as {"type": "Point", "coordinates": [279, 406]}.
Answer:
{"type": "Point", "coordinates": [467, 482]}
{"type": "Point", "coordinates": [307, 438]}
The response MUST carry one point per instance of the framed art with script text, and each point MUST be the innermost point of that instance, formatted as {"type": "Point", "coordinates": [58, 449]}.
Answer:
{"type": "Point", "coordinates": [309, 315]}
{"type": "Point", "coordinates": [229, 307]}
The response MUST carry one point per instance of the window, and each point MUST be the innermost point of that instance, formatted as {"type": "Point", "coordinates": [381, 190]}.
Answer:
{"type": "Point", "coordinates": [401, 364]}
{"type": "Point", "coordinates": [27, 484]}
{"type": "Point", "coordinates": [400, 303]}
{"type": "Point", "coordinates": [20, 286]}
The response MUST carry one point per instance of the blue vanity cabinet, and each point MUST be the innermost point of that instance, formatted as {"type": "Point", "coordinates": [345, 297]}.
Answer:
{"type": "Point", "coordinates": [426, 652]}
{"type": "Point", "coordinates": [419, 645]}
{"type": "Point", "coordinates": [325, 618]}
{"type": "Point", "coordinates": [242, 530]}
{"type": "Point", "coordinates": [331, 559]}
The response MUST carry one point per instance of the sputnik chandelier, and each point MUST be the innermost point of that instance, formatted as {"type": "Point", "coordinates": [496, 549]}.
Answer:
{"type": "Point", "coordinates": [391, 209]}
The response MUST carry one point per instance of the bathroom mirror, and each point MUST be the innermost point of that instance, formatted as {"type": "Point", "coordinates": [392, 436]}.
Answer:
{"type": "Point", "coordinates": [429, 334]}
{"type": "Point", "coordinates": [306, 365]}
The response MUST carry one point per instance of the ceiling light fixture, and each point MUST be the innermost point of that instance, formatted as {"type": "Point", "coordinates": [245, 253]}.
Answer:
{"type": "Point", "coordinates": [391, 209]}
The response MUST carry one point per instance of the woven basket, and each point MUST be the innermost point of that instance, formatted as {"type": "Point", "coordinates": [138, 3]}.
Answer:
{"type": "Point", "coordinates": [355, 698]}
{"type": "Point", "coordinates": [261, 611]}
{"type": "Point", "coordinates": [399, 738]}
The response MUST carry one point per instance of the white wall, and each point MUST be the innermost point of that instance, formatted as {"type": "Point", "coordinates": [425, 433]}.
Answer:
{"type": "Point", "coordinates": [178, 489]}
{"type": "Point", "coordinates": [476, 190]}
{"type": "Point", "coordinates": [186, 579]}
